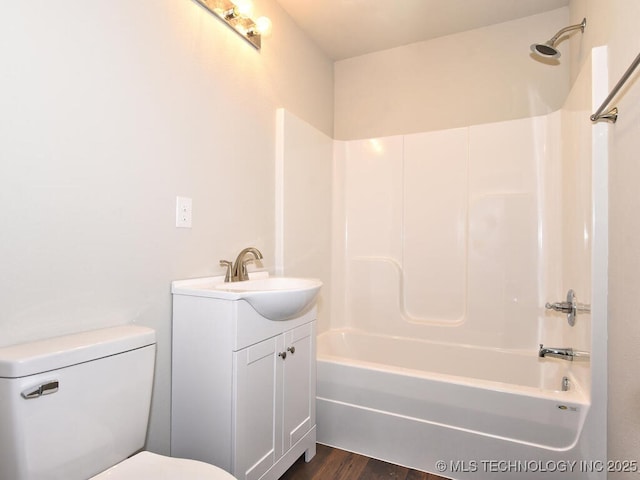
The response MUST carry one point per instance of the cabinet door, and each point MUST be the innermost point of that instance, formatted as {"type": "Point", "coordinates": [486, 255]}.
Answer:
{"type": "Point", "coordinates": [257, 390]}
{"type": "Point", "coordinates": [299, 384]}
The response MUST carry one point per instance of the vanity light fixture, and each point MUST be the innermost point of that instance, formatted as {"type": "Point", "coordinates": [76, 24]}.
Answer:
{"type": "Point", "coordinates": [237, 15]}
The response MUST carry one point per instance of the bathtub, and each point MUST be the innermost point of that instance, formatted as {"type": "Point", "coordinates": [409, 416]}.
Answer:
{"type": "Point", "coordinates": [418, 403]}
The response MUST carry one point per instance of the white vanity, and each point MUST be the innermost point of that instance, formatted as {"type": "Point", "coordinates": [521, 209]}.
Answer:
{"type": "Point", "coordinates": [243, 385]}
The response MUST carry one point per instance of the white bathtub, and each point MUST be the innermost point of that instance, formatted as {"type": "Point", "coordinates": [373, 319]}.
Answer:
{"type": "Point", "coordinates": [415, 403]}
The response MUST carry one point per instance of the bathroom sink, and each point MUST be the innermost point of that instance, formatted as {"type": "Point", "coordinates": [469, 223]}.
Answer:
{"type": "Point", "coordinates": [275, 298]}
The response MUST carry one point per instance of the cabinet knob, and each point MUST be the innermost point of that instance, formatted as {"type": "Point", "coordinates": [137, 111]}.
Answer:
{"type": "Point", "coordinates": [283, 355]}
{"type": "Point", "coordinates": [291, 349]}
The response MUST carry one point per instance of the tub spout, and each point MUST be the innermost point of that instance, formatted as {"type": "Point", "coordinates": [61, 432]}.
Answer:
{"type": "Point", "coordinates": [563, 353]}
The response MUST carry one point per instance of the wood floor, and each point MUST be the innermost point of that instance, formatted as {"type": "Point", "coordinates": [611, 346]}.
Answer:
{"type": "Point", "coordinates": [333, 464]}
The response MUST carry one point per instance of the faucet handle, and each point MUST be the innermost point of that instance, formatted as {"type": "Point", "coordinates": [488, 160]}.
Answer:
{"type": "Point", "coordinates": [245, 262]}
{"type": "Point", "coordinates": [243, 268]}
{"type": "Point", "coordinates": [571, 307]}
{"type": "Point", "coordinates": [229, 265]}
{"type": "Point", "coordinates": [564, 307]}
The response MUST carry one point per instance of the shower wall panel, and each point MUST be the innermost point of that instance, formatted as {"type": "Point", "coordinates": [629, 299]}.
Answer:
{"type": "Point", "coordinates": [373, 197]}
{"type": "Point", "coordinates": [445, 233]}
{"type": "Point", "coordinates": [434, 227]}
{"type": "Point", "coordinates": [303, 205]}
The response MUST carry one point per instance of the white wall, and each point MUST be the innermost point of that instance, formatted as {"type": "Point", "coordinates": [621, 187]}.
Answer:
{"type": "Point", "coordinates": [109, 110]}
{"type": "Point", "coordinates": [615, 23]}
{"type": "Point", "coordinates": [480, 76]}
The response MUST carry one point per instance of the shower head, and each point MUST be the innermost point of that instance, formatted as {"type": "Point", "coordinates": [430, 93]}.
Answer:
{"type": "Point", "coordinates": [545, 49]}
{"type": "Point", "coordinates": [548, 49]}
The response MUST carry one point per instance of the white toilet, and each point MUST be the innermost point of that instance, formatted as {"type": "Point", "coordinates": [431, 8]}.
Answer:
{"type": "Point", "coordinates": [75, 407]}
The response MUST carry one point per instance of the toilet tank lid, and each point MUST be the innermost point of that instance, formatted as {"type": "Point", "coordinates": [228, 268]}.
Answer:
{"type": "Point", "coordinates": [44, 355]}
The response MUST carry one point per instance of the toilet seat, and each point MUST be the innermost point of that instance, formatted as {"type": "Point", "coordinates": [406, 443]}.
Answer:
{"type": "Point", "coordinates": [151, 466]}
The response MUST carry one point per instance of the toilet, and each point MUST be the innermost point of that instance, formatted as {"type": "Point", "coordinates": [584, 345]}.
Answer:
{"type": "Point", "coordinates": [76, 407]}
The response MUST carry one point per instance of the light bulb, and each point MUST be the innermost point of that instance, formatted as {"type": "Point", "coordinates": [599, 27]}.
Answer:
{"type": "Point", "coordinates": [243, 8]}
{"type": "Point", "coordinates": [263, 26]}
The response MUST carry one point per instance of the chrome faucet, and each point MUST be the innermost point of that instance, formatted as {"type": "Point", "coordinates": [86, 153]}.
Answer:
{"type": "Point", "coordinates": [563, 353]}
{"type": "Point", "coordinates": [237, 272]}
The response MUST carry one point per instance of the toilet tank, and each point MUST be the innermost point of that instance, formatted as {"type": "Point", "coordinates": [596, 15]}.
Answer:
{"type": "Point", "coordinates": [72, 406]}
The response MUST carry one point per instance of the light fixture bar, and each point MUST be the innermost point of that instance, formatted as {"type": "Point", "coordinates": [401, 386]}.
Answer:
{"type": "Point", "coordinates": [226, 11]}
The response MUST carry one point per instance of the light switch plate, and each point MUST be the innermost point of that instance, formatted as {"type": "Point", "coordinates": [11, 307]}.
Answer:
{"type": "Point", "coordinates": [183, 212]}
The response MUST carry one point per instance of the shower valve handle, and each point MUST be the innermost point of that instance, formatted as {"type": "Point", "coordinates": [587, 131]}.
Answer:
{"type": "Point", "coordinates": [571, 307]}
{"type": "Point", "coordinates": [564, 307]}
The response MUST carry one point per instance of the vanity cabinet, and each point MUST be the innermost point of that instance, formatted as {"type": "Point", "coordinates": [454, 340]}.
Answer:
{"type": "Point", "coordinates": [243, 387]}
{"type": "Point", "coordinates": [274, 407]}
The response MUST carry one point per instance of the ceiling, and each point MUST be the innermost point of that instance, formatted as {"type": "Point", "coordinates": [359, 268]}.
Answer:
{"type": "Point", "coordinates": [348, 28]}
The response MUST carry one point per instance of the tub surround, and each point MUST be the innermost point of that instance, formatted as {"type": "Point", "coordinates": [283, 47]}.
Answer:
{"type": "Point", "coordinates": [454, 235]}
{"type": "Point", "coordinates": [447, 246]}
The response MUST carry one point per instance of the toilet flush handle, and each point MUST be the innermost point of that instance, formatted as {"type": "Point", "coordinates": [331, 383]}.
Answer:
{"type": "Point", "coordinates": [43, 389]}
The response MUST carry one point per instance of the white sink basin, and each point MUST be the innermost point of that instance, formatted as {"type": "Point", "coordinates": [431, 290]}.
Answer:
{"type": "Point", "coordinates": [275, 298]}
